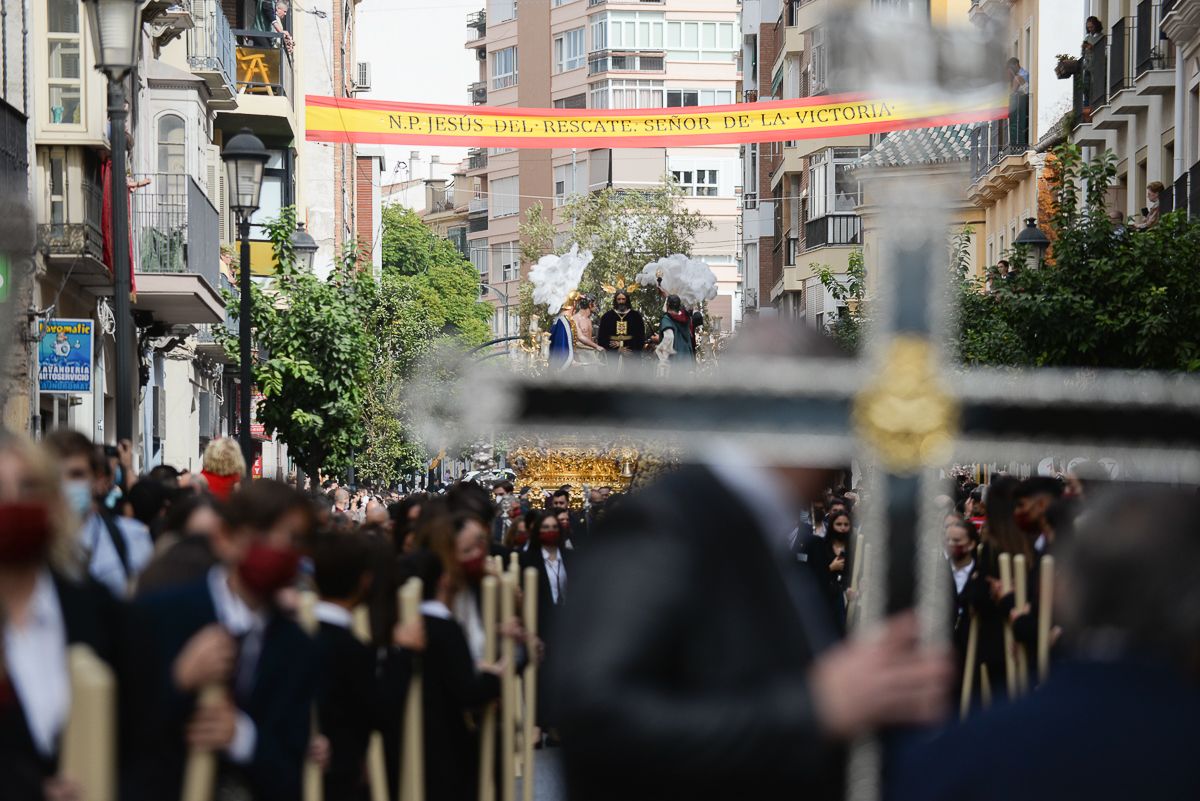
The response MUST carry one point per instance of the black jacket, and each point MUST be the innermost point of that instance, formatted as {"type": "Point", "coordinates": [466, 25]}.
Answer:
{"type": "Point", "coordinates": [347, 706]}
{"type": "Point", "coordinates": [686, 645]}
{"type": "Point", "coordinates": [279, 703]}
{"type": "Point", "coordinates": [91, 617]}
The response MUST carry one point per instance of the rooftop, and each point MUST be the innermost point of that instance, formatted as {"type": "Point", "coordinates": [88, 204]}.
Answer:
{"type": "Point", "coordinates": [921, 146]}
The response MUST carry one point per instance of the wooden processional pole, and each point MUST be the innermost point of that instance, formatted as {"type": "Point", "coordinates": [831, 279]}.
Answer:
{"type": "Point", "coordinates": [508, 691]}
{"type": "Point", "coordinates": [312, 781]}
{"type": "Point", "coordinates": [412, 759]}
{"type": "Point", "coordinates": [200, 773]}
{"type": "Point", "coordinates": [531, 682]}
{"type": "Point", "coordinates": [1010, 660]}
{"type": "Point", "coordinates": [90, 736]}
{"type": "Point", "coordinates": [1021, 592]}
{"type": "Point", "coordinates": [376, 764]}
{"type": "Point", "coordinates": [487, 734]}
{"type": "Point", "coordinates": [1045, 613]}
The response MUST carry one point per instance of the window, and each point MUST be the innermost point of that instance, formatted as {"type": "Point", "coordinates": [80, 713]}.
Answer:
{"type": "Point", "coordinates": [818, 65]}
{"type": "Point", "coordinates": [627, 30]}
{"type": "Point", "coordinates": [58, 188]}
{"type": "Point", "coordinates": [65, 78]}
{"type": "Point", "coordinates": [695, 40]}
{"type": "Point", "coordinates": [274, 195]}
{"type": "Point", "coordinates": [574, 101]}
{"type": "Point", "coordinates": [501, 10]}
{"type": "Point", "coordinates": [832, 187]}
{"type": "Point", "coordinates": [627, 93]}
{"type": "Point", "coordinates": [568, 181]}
{"type": "Point", "coordinates": [504, 200]}
{"type": "Point", "coordinates": [698, 183]}
{"type": "Point", "coordinates": [479, 258]}
{"type": "Point", "coordinates": [569, 51]}
{"type": "Point", "coordinates": [558, 3]}
{"type": "Point", "coordinates": [699, 97]}
{"type": "Point", "coordinates": [504, 68]}
{"type": "Point", "coordinates": [172, 158]}
{"type": "Point", "coordinates": [509, 256]}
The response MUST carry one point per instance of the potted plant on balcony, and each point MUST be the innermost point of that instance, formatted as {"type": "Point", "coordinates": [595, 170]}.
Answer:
{"type": "Point", "coordinates": [1066, 67]}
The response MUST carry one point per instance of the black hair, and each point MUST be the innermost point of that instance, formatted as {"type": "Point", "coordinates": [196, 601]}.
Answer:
{"type": "Point", "coordinates": [1099, 24]}
{"type": "Point", "coordinates": [959, 522]}
{"type": "Point", "coordinates": [427, 566]}
{"type": "Point", "coordinates": [471, 499]}
{"type": "Point", "coordinates": [507, 486]}
{"type": "Point", "coordinates": [1039, 485]}
{"type": "Point", "coordinates": [829, 532]}
{"type": "Point", "coordinates": [674, 303]}
{"type": "Point", "coordinates": [181, 511]}
{"type": "Point", "coordinates": [339, 563]}
{"type": "Point", "coordinates": [561, 493]}
{"type": "Point", "coordinates": [148, 499]}
{"type": "Point", "coordinates": [163, 473]}
{"type": "Point", "coordinates": [533, 526]}
{"type": "Point", "coordinates": [262, 504]}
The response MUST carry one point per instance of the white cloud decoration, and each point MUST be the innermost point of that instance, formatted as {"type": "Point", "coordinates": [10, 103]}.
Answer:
{"type": "Point", "coordinates": [555, 277]}
{"type": "Point", "coordinates": [691, 279]}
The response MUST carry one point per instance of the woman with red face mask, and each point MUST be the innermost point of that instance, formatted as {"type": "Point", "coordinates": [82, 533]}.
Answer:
{"type": "Point", "coordinates": [226, 632]}
{"type": "Point", "coordinates": [47, 605]}
{"type": "Point", "coordinates": [546, 554]}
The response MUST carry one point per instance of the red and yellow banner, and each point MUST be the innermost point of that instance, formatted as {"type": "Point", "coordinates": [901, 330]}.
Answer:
{"type": "Point", "coordinates": [353, 121]}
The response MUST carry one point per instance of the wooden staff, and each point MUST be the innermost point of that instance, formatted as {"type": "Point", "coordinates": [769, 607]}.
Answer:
{"type": "Point", "coordinates": [1010, 661]}
{"type": "Point", "coordinates": [856, 572]}
{"type": "Point", "coordinates": [985, 687]}
{"type": "Point", "coordinates": [1045, 613]}
{"type": "Point", "coordinates": [854, 607]}
{"type": "Point", "coordinates": [200, 773]}
{"type": "Point", "coordinates": [487, 735]}
{"type": "Point", "coordinates": [314, 785]}
{"type": "Point", "coordinates": [376, 766]}
{"type": "Point", "coordinates": [89, 739]}
{"type": "Point", "coordinates": [412, 760]}
{"type": "Point", "coordinates": [1021, 586]}
{"type": "Point", "coordinates": [968, 683]}
{"type": "Point", "coordinates": [508, 691]}
{"type": "Point", "coordinates": [531, 681]}
{"type": "Point", "coordinates": [514, 564]}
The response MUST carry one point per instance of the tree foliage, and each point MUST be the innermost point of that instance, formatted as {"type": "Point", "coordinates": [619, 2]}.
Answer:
{"type": "Point", "coordinates": [314, 353]}
{"type": "Point", "coordinates": [624, 229]}
{"type": "Point", "coordinates": [408, 247]}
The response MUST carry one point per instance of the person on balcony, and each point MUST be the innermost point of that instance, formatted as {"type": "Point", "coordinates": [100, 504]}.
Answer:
{"type": "Point", "coordinates": [1093, 36]}
{"type": "Point", "coordinates": [1152, 212]}
{"type": "Point", "coordinates": [1018, 103]}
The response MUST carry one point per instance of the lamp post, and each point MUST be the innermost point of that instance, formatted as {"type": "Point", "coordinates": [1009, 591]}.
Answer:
{"type": "Point", "coordinates": [245, 157]}
{"type": "Point", "coordinates": [504, 297]}
{"type": "Point", "coordinates": [1035, 240]}
{"type": "Point", "coordinates": [116, 27]}
{"type": "Point", "coordinates": [305, 248]}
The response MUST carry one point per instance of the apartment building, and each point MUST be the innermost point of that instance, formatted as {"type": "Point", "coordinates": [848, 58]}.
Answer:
{"type": "Point", "coordinates": [1180, 24]}
{"type": "Point", "coordinates": [603, 54]}
{"type": "Point", "coordinates": [446, 207]}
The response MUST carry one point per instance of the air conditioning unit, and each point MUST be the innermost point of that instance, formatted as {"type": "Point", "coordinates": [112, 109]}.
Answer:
{"type": "Point", "coordinates": [158, 418]}
{"type": "Point", "coordinates": [362, 77]}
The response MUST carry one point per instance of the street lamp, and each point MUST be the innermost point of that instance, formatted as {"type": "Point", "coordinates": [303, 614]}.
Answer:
{"type": "Point", "coordinates": [245, 157]}
{"type": "Point", "coordinates": [1035, 240]}
{"type": "Point", "coordinates": [305, 248]}
{"type": "Point", "coordinates": [116, 27]}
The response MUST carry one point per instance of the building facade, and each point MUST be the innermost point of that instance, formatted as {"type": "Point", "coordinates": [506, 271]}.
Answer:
{"type": "Point", "coordinates": [604, 54]}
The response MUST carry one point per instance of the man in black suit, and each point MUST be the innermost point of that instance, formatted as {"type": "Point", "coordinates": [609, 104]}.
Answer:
{"type": "Point", "coordinates": [695, 660]}
{"type": "Point", "coordinates": [577, 533]}
{"type": "Point", "coordinates": [1118, 719]}
{"type": "Point", "coordinates": [226, 631]}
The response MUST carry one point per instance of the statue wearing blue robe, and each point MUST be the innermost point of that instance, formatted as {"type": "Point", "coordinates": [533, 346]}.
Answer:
{"type": "Point", "coordinates": [562, 345]}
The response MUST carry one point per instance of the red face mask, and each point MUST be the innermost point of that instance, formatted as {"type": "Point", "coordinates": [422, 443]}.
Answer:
{"type": "Point", "coordinates": [266, 570]}
{"type": "Point", "coordinates": [521, 538]}
{"type": "Point", "coordinates": [24, 533]}
{"type": "Point", "coordinates": [551, 537]}
{"type": "Point", "coordinates": [1024, 521]}
{"type": "Point", "coordinates": [473, 569]}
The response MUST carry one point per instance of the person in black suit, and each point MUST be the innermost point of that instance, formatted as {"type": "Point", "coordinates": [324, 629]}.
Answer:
{"type": "Point", "coordinates": [1119, 718]}
{"type": "Point", "coordinates": [692, 663]}
{"type": "Point", "coordinates": [548, 556]}
{"type": "Point", "coordinates": [454, 687]}
{"type": "Point", "coordinates": [42, 614]}
{"type": "Point", "coordinates": [227, 631]}
{"type": "Point", "coordinates": [560, 501]}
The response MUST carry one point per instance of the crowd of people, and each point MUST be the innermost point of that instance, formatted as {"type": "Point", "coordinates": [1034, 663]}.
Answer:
{"type": "Point", "coordinates": [703, 654]}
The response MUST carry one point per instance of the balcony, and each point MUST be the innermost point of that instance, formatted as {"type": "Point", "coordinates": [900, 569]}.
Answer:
{"type": "Point", "coordinates": [478, 205]}
{"type": "Point", "coordinates": [211, 51]}
{"type": "Point", "coordinates": [478, 93]}
{"type": "Point", "coordinates": [264, 69]}
{"type": "Point", "coordinates": [477, 158]}
{"type": "Point", "coordinates": [177, 251]}
{"type": "Point", "coordinates": [14, 149]}
{"type": "Point", "coordinates": [803, 15]}
{"type": "Point", "coordinates": [998, 159]}
{"type": "Point", "coordinates": [1154, 56]}
{"type": "Point", "coordinates": [477, 24]}
{"type": "Point", "coordinates": [74, 238]}
{"type": "Point", "coordinates": [626, 61]}
{"type": "Point", "coordinates": [833, 230]}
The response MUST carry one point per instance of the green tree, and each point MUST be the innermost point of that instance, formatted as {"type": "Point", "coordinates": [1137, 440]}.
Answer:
{"type": "Point", "coordinates": [315, 353]}
{"type": "Point", "coordinates": [407, 245]}
{"type": "Point", "coordinates": [624, 229]}
{"type": "Point", "coordinates": [848, 324]}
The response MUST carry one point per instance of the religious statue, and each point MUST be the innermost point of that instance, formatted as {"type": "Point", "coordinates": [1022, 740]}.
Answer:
{"type": "Point", "coordinates": [587, 352]}
{"type": "Point", "coordinates": [562, 339]}
{"type": "Point", "coordinates": [622, 328]}
{"type": "Point", "coordinates": [676, 328]}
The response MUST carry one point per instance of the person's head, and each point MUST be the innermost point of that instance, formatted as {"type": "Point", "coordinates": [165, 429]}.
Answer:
{"type": "Point", "coordinates": [194, 516]}
{"type": "Point", "coordinates": [265, 522]}
{"type": "Point", "coordinates": [1013, 64]}
{"type": "Point", "coordinates": [341, 499]}
{"type": "Point", "coordinates": [1033, 497]}
{"type": "Point", "coordinates": [517, 534]}
{"type": "Point", "coordinates": [595, 496]}
{"type": "Point", "coordinates": [1093, 25]}
{"type": "Point", "coordinates": [164, 474]}
{"type": "Point", "coordinates": [36, 525]}
{"type": "Point", "coordinates": [281, 9]}
{"type": "Point", "coordinates": [1128, 580]}
{"type": "Point", "coordinates": [543, 529]}
{"type": "Point", "coordinates": [79, 465]}
{"type": "Point", "coordinates": [606, 492]}
{"type": "Point", "coordinates": [1083, 477]}
{"type": "Point", "coordinates": [960, 541]}
{"type": "Point", "coordinates": [584, 304]}
{"type": "Point", "coordinates": [430, 568]}
{"type": "Point", "coordinates": [472, 499]}
{"type": "Point", "coordinates": [836, 504]}
{"type": "Point", "coordinates": [1000, 529]}
{"type": "Point", "coordinates": [341, 567]}
{"type": "Point", "coordinates": [1116, 218]}
{"type": "Point", "coordinates": [470, 546]}
{"type": "Point", "coordinates": [838, 525]}
{"type": "Point", "coordinates": [621, 300]}
{"type": "Point", "coordinates": [376, 514]}
{"type": "Point", "coordinates": [150, 501]}
{"type": "Point", "coordinates": [674, 303]}
{"type": "Point", "coordinates": [561, 499]}
{"type": "Point", "coordinates": [1002, 266]}
{"type": "Point", "coordinates": [502, 488]}
{"type": "Point", "coordinates": [1153, 190]}
{"type": "Point", "coordinates": [224, 467]}
{"type": "Point", "coordinates": [563, 516]}
{"type": "Point", "coordinates": [974, 505]}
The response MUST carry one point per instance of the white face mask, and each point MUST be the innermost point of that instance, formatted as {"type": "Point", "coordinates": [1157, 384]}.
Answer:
{"type": "Point", "coordinates": [78, 494]}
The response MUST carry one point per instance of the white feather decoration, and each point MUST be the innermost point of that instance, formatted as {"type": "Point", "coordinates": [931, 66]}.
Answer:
{"type": "Point", "coordinates": [555, 277]}
{"type": "Point", "coordinates": [691, 279]}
